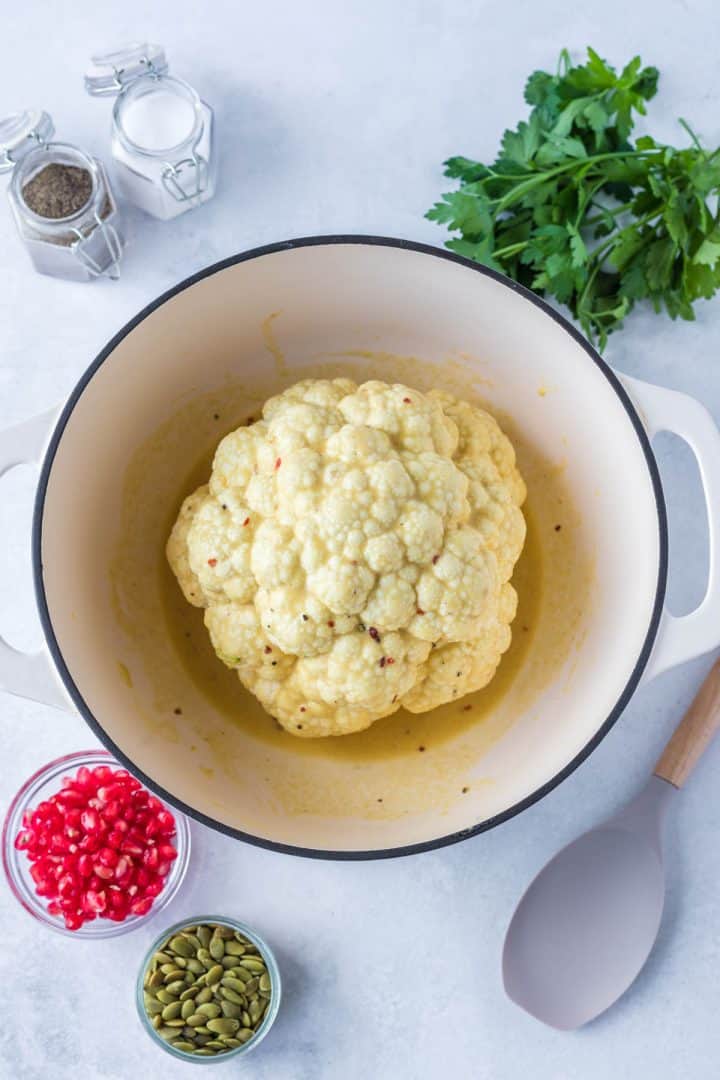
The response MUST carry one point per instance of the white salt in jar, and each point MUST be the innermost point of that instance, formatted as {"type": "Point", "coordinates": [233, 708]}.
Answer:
{"type": "Point", "coordinates": [162, 132]}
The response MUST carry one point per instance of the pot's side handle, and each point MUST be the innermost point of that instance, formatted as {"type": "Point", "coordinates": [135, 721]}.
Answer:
{"type": "Point", "coordinates": [684, 637]}
{"type": "Point", "coordinates": [29, 675]}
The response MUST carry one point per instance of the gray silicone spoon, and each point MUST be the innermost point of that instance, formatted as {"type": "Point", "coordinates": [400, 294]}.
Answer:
{"type": "Point", "coordinates": [586, 925]}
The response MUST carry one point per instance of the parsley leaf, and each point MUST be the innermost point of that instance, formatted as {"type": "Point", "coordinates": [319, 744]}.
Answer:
{"type": "Point", "coordinates": [574, 209]}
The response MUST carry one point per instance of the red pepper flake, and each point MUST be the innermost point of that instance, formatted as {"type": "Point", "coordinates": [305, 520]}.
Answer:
{"type": "Point", "coordinates": [465, 790]}
{"type": "Point", "coordinates": [250, 420]}
{"type": "Point", "coordinates": [420, 611]}
{"type": "Point", "coordinates": [212, 562]}
{"type": "Point", "coordinates": [303, 709]}
{"type": "Point", "coordinates": [435, 559]}
{"type": "Point", "coordinates": [278, 463]}
{"type": "Point", "coordinates": [390, 660]}
{"type": "Point", "coordinates": [382, 661]}
{"type": "Point", "coordinates": [373, 633]}
{"type": "Point", "coordinates": [246, 522]}
{"type": "Point", "coordinates": [331, 623]}
{"type": "Point", "coordinates": [467, 708]}
{"type": "Point", "coordinates": [268, 650]}
{"type": "Point", "coordinates": [421, 749]}
{"type": "Point", "coordinates": [406, 400]}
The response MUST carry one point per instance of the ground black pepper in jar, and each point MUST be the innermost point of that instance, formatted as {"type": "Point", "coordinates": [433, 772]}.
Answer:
{"type": "Point", "coordinates": [58, 191]}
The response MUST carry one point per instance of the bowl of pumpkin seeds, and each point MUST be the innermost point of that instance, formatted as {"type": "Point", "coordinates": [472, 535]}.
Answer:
{"type": "Point", "coordinates": [208, 989]}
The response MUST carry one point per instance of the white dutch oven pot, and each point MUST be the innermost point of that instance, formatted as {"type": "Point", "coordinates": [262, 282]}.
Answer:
{"type": "Point", "coordinates": [365, 305]}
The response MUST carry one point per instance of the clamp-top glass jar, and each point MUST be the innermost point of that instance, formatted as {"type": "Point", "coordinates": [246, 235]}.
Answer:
{"type": "Point", "coordinates": [162, 132]}
{"type": "Point", "coordinates": [61, 200]}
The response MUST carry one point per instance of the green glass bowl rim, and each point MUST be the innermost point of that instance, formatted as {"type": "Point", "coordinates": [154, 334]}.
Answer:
{"type": "Point", "coordinates": [273, 970]}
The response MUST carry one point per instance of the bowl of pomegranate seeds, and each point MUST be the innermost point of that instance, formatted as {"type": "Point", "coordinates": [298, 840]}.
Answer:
{"type": "Point", "coordinates": [89, 851]}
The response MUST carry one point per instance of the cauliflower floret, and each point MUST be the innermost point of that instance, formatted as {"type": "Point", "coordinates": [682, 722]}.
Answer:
{"type": "Point", "coordinates": [353, 551]}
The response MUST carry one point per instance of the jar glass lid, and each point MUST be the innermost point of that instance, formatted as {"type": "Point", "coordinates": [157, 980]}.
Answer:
{"type": "Point", "coordinates": [21, 133]}
{"type": "Point", "coordinates": [109, 72]}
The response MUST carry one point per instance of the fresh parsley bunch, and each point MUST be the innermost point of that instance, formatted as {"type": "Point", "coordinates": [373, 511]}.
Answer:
{"type": "Point", "coordinates": [574, 208]}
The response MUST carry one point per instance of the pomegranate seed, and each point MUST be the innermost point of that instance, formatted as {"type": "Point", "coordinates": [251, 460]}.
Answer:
{"type": "Point", "coordinates": [122, 866]}
{"type": "Point", "coordinates": [24, 839]}
{"type": "Point", "coordinates": [114, 839]}
{"type": "Point", "coordinates": [141, 818]}
{"type": "Point", "coordinates": [95, 901]}
{"type": "Point", "coordinates": [128, 814]}
{"type": "Point", "coordinates": [103, 872]}
{"type": "Point", "coordinates": [53, 908]}
{"type": "Point", "coordinates": [141, 906]}
{"type": "Point", "coordinates": [118, 901]}
{"type": "Point", "coordinates": [155, 888]}
{"type": "Point", "coordinates": [74, 922]}
{"type": "Point", "coordinates": [108, 857]}
{"type": "Point", "coordinates": [85, 865]}
{"type": "Point", "coordinates": [68, 903]}
{"type": "Point", "coordinates": [83, 777]}
{"type": "Point", "coordinates": [120, 826]}
{"type": "Point", "coordinates": [102, 774]}
{"type": "Point", "coordinates": [154, 804]}
{"type": "Point", "coordinates": [151, 858]}
{"type": "Point", "coordinates": [90, 843]}
{"type": "Point", "coordinates": [166, 820]}
{"type": "Point", "coordinates": [90, 821]}
{"type": "Point", "coordinates": [152, 828]}
{"type": "Point", "coordinates": [167, 851]}
{"type": "Point", "coordinates": [68, 885]}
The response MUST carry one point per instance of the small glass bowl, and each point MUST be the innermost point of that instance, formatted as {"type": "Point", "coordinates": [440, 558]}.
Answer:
{"type": "Point", "coordinates": [273, 972]}
{"type": "Point", "coordinates": [40, 786]}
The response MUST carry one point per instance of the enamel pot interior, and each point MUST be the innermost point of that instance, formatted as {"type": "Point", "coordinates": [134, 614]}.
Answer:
{"type": "Point", "coordinates": [139, 433]}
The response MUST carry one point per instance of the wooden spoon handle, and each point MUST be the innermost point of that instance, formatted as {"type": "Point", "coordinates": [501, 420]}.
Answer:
{"type": "Point", "coordinates": [694, 732]}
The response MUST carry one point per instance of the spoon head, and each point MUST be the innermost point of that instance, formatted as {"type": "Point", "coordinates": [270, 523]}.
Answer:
{"type": "Point", "coordinates": [585, 927]}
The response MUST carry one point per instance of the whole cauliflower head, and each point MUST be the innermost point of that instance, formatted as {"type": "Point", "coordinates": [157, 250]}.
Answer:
{"type": "Point", "coordinates": [352, 551]}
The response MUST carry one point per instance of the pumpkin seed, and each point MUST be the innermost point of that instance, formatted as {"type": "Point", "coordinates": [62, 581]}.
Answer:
{"type": "Point", "coordinates": [232, 984]}
{"type": "Point", "coordinates": [203, 1037]}
{"type": "Point", "coordinates": [182, 947]}
{"type": "Point", "coordinates": [203, 995]}
{"type": "Point", "coordinates": [230, 1041]}
{"type": "Point", "coordinates": [186, 1047]}
{"type": "Point", "coordinates": [216, 948]}
{"type": "Point", "coordinates": [188, 1032]}
{"type": "Point", "coordinates": [231, 995]}
{"type": "Point", "coordinates": [167, 1032]}
{"type": "Point", "coordinates": [162, 958]}
{"type": "Point", "coordinates": [203, 1051]}
{"type": "Point", "coordinates": [190, 993]}
{"type": "Point", "coordinates": [210, 1009]}
{"type": "Point", "coordinates": [174, 975]}
{"type": "Point", "coordinates": [156, 979]}
{"type": "Point", "coordinates": [234, 1012]}
{"type": "Point", "coordinates": [215, 1044]}
{"type": "Point", "coordinates": [187, 1008]}
{"type": "Point", "coordinates": [244, 1034]}
{"type": "Point", "coordinates": [165, 996]}
{"type": "Point", "coordinates": [171, 1011]}
{"type": "Point", "coordinates": [265, 983]}
{"type": "Point", "coordinates": [190, 936]}
{"type": "Point", "coordinates": [235, 948]}
{"type": "Point", "coordinates": [256, 1011]}
{"type": "Point", "coordinates": [157, 1021]}
{"type": "Point", "coordinates": [247, 1022]}
{"type": "Point", "coordinates": [203, 1030]}
{"type": "Point", "coordinates": [224, 932]}
{"type": "Point", "coordinates": [196, 1020]}
{"type": "Point", "coordinates": [181, 962]}
{"type": "Point", "coordinates": [229, 961]}
{"type": "Point", "coordinates": [203, 934]}
{"type": "Point", "coordinates": [223, 1026]}
{"type": "Point", "coordinates": [251, 987]}
{"type": "Point", "coordinates": [215, 974]}
{"type": "Point", "coordinates": [195, 966]}
{"type": "Point", "coordinates": [175, 988]}
{"type": "Point", "coordinates": [250, 963]}
{"type": "Point", "coordinates": [178, 1022]}
{"type": "Point", "coordinates": [153, 1007]}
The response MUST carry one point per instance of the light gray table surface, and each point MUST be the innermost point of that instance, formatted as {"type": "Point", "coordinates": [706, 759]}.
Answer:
{"type": "Point", "coordinates": [336, 117]}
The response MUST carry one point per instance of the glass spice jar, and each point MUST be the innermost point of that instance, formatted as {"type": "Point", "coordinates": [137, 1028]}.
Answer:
{"type": "Point", "coordinates": [162, 132]}
{"type": "Point", "coordinates": [61, 199]}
